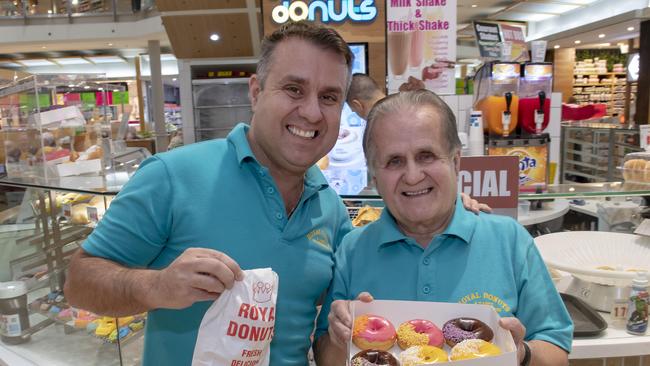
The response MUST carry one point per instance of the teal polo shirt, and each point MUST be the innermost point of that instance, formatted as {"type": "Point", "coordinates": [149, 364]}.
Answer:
{"type": "Point", "coordinates": [216, 195]}
{"type": "Point", "coordinates": [478, 259]}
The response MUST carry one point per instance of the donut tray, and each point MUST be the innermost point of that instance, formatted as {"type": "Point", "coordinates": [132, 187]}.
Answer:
{"type": "Point", "coordinates": [398, 312]}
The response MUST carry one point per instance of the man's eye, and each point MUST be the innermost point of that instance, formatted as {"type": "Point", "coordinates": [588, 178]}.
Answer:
{"type": "Point", "coordinates": [394, 163]}
{"type": "Point", "coordinates": [331, 99]}
{"type": "Point", "coordinates": [426, 157]}
{"type": "Point", "coordinates": [294, 90]}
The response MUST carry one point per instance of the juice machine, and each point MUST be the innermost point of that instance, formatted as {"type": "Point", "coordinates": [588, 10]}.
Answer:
{"type": "Point", "coordinates": [497, 97]}
{"type": "Point", "coordinates": [535, 89]}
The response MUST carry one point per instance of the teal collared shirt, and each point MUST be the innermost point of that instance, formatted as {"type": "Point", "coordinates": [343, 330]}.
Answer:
{"type": "Point", "coordinates": [478, 259]}
{"type": "Point", "coordinates": [216, 195]}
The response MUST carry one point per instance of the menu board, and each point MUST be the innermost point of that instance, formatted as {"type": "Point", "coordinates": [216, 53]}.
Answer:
{"type": "Point", "coordinates": [421, 43]}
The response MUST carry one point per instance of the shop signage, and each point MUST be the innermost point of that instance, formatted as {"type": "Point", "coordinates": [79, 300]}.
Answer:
{"type": "Point", "coordinates": [488, 38]}
{"type": "Point", "coordinates": [325, 11]}
{"type": "Point", "coordinates": [421, 43]}
{"type": "Point", "coordinates": [515, 35]}
{"type": "Point", "coordinates": [492, 180]}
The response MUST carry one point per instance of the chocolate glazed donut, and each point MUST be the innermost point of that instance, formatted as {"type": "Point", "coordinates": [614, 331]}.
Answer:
{"type": "Point", "coordinates": [460, 329]}
{"type": "Point", "coordinates": [373, 357]}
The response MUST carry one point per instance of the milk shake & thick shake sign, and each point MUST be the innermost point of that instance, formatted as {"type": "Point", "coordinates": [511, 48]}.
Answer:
{"type": "Point", "coordinates": [421, 37]}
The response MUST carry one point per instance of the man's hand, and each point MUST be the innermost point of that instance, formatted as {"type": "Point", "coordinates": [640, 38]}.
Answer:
{"type": "Point", "coordinates": [199, 274]}
{"type": "Point", "coordinates": [518, 332]}
{"type": "Point", "coordinates": [473, 205]}
{"type": "Point", "coordinates": [340, 320]}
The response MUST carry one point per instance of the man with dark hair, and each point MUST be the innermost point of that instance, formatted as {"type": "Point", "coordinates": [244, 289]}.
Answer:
{"type": "Point", "coordinates": [186, 224]}
{"type": "Point", "coordinates": [426, 247]}
{"type": "Point", "coordinates": [363, 94]}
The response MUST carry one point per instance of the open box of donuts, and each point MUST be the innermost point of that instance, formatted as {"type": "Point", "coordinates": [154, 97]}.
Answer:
{"type": "Point", "coordinates": [409, 333]}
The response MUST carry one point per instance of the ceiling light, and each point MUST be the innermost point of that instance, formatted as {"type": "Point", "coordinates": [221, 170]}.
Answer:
{"type": "Point", "coordinates": [36, 62]}
{"type": "Point", "coordinates": [110, 44]}
{"type": "Point", "coordinates": [70, 61]}
{"type": "Point", "coordinates": [49, 11]}
{"type": "Point", "coordinates": [630, 28]}
{"type": "Point", "coordinates": [474, 5]}
{"type": "Point", "coordinates": [214, 37]}
{"type": "Point", "coordinates": [174, 79]}
{"type": "Point", "coordinates": [556, 46]}
{"type": "Point", "coordinates": [71, 86]}
{"type": "Point", "coordinates": [86, 87]}
{"type": "Point", "coordinates": [75, 2]}
{"type": "Point", "coordinates": [602, 35]}
{"type": "Point", "coordinates": [105, 59]}
{"type": "Point", "coordinates": [100, 88]}
{"type": "Point", "coordinates": [44, 47]}
{"type": "Point", "coordinates": [577, 41]}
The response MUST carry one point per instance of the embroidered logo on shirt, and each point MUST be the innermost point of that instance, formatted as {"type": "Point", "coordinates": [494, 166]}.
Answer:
{"type": "Point", "coordinates": [486, 298]}
{"type": "Point", "coordinates": [320, 237]}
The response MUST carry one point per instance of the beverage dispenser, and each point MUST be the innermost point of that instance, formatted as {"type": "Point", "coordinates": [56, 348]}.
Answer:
{"type": "Point", "coordinates": [535, 93]}
{"type": "Point", "coordinates": [499, 102]}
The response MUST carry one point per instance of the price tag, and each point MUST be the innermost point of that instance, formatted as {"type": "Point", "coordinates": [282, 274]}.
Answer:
{"type": "Point", "coordinates": [67, 211]}
{"type": "Point", "coordinates": [93, 215]}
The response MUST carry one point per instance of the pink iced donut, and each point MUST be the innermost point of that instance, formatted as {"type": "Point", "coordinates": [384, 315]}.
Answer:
{"type": "Point", "coordinates": [419, 332]}
{"type": "Point", "coordinates": [373, 332]}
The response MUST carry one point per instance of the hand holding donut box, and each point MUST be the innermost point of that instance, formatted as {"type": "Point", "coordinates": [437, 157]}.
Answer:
{"type": "Point", "coordinates": [409, 333]}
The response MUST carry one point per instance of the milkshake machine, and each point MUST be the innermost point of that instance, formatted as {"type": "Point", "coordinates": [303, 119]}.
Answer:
{"type": "Point", "coordinates": [497, 97]}
{"type": "Point", "coordinates": [535, 91]}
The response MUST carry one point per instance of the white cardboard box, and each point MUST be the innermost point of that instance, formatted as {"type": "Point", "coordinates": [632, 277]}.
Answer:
{"type": "Point", "coordinates": [439, 313]}
{"type": "Point", "coordinates": [79, 167]}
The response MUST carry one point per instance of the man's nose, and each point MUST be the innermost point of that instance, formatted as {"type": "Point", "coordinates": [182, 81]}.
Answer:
{"type": "Point", "coordinates": [310, 109]}
{"type": "Point", "coordinates": [413, 173]}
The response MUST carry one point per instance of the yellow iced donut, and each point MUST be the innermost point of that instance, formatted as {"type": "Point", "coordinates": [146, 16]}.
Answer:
{"type": "Point", "coordinates": [422, 355]}
{"type": "Point", "coordinates": [473, 348]}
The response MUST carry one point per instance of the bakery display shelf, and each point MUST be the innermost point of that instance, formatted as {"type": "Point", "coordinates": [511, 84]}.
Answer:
{"type": "Point", "coordinates": [599, 73]}
{"type": "Point", "coordinates": [587, 154]}
{"type": "Point", "coordinates": [97, 185]}
{"type": "Point", "coordinates": [54, 307]}
{"type": "Point", "coordinates": [588, 144]}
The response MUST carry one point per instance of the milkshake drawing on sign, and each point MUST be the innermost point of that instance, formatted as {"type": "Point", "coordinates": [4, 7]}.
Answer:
{"type": "Point", "coordinates": [417, 49]}
{"type": "Point", "coordinates": [399, 49]}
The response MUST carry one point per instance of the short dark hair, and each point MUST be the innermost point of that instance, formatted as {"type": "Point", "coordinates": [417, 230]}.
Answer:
{"type": "Point", "coordinates": [414, 98]}
{"type": "Point", "coordinates": [362, 87]}
{"type": "Point", "coordinates": [326, 38]}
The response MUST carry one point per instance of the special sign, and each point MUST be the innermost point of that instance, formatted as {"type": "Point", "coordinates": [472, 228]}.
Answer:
{"type": "Point", "coordinates": [492, 180]}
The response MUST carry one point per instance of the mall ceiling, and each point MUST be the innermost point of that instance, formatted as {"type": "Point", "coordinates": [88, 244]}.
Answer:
{"type": "Point", "coordinates": [190, 23]}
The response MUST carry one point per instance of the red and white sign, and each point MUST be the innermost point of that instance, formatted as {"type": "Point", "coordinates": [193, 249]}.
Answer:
{"type": "Point", "coordinates": [493, 180]}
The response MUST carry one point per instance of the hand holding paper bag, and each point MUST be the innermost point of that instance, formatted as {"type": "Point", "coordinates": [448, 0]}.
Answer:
{"type": "Point", "coordinates": [238, 328]}
{"type": "Point", "coordinates": [199, 274]}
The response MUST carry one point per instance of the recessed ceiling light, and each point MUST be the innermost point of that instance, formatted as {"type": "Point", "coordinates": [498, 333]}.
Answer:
{"type": "Point", "coordinates": [71, 86]}
{"type": "Point", "coordinates": [474, 5]}
{"type": "Point", "coordinates": [70, 61]}
{"type": "Point", "coordinates": [86, 87]}
{"type": "Point", "coordinates": [577, 41]}
{"type": "Point", "coordinates": [174, 79]}
{"type": "Point", "coordinates": [110, 44]}
{"type": "Point", "coordinates": [630, 28]}
{"type": "Point", "coordinates": [214, 37]}
{"type": "Point", "coordinates": [44, 47]}
{"type": "Point", "coordinates": [100, 88]}
{"type": "Point", "coordinates": [49, 11]}
{"type": "Point", "coordinates": [556, 46]}
{"type": "Point", "coordinates": [602, 35]}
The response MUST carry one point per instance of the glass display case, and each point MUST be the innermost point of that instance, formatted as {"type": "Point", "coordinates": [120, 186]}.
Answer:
{"type": "Point", "coordinates": [594, 152]}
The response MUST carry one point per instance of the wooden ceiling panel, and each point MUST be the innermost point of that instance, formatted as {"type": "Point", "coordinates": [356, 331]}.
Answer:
{"type": "Point", "coordinates": [189, 35]}
{"type": "Point", "coordinates": [181, 5]}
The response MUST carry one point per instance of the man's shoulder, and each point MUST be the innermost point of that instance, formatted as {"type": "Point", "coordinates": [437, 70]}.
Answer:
{"type": "Point", "coordinates": [361, 239]}
{"type": "Point", "coordinates": [198, 152]}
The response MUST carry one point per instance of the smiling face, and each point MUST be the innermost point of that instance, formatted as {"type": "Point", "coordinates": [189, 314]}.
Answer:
{"type": "Point", "coordinates": [297, 113]}
{"type": "Point", "coordinates": [413, 170]}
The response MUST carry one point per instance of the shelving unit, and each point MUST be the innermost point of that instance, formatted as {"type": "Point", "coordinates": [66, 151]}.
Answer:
{"type": "Point", "coordinates": [593, 152]}
{"type": "Point", "coordinates": [610, 89]}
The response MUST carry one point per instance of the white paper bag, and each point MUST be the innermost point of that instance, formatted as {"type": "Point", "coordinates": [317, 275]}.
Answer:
{"type": "Point", "coordinates": [238, 328]}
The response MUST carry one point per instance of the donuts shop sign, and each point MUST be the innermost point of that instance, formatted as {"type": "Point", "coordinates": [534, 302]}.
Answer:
{"type": "Point", "coordinates": [493, 180]}
{"type": "Point", "coordinates": [325, 11]}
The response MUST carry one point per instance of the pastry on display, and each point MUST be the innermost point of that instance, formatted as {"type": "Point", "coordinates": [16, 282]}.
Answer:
{"type": "Point", "coordinates": [422, 355]}
{"type": "Point", "coordinates": [373, 332]}
{"type": "Point", "coordinates": [419, 332]}
{"type": "Point", "coordinates": [473, 348]}
{"type": "Point", "coordinates": [366, 215]}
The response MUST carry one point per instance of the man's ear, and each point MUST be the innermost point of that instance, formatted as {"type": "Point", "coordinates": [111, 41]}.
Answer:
{"type": "Point", "coordinates": [254, 89]}
{"type": "Point", "coordinates": [457, 161]}
{"type": "Point", "coordinates": [357, 107]}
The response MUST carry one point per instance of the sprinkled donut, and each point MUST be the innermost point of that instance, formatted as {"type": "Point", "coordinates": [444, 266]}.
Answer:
{"type": "Point", "coordinates": [419, 332]}
{"type": "Point", "coordinates": [373, 332]}
{"type": "Point", "coordinates": [460, 329]}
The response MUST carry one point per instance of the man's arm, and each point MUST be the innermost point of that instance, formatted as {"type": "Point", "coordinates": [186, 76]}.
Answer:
{"type": "Point", "coordinates": [327, 353]}
{"type": "Point", "coordinates": [108, 288]}
{"type": "Point", "coordinates": [547, 354]}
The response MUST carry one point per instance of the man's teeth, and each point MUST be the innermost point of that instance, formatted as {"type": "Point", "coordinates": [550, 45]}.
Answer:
{"type": "Point", "coordinates": [302, 133]}
{"type": "Point", "coordinates": [417, 193]}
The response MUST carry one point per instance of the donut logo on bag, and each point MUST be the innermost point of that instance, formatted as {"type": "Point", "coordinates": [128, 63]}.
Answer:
{"type": "Point", "coordinates": [262, 291]}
